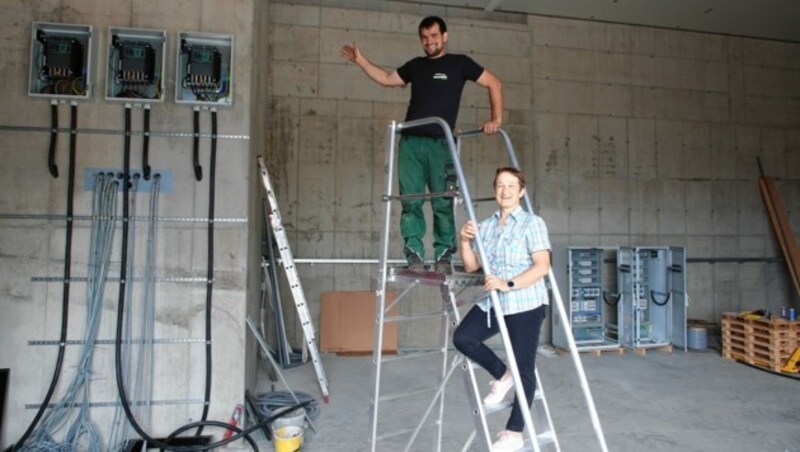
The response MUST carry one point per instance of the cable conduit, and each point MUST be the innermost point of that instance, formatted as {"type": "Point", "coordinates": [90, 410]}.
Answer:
{"type": "Point", "coordinates": [51, 158]}
{"type": "Point", "coordinates": [67, 260]}
{"type": "Point", "coordinates": [210, 264]}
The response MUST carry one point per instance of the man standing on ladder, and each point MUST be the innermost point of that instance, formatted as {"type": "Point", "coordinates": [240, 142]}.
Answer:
{"type": "Point", "coordinates": [437, 81]}
{"type": "Point", "coordinates": [518, 250]}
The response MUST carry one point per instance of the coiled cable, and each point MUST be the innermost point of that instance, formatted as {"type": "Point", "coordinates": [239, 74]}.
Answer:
{"type": "Point", "coordinates": [270, 403]}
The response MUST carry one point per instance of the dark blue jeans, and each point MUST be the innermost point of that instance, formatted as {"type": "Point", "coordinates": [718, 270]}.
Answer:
{"type": "Point", "coordinates": [523, 331]}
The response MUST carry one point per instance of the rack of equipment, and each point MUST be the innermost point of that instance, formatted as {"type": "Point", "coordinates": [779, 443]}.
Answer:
{"type": "Point", "coordinates": [652, 305]}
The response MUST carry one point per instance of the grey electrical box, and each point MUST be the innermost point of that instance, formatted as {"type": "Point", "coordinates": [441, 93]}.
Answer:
{"type": "Point", "coordinates": [592, 308]}
{"type": "Point", "coordinates": [135, 69]}
{"type": "Point", "coordinates": [204, 69]}
{"type": "Point", "coordinates": [652, 305]}
{"type": "Point", "coordinates": [60, 61]}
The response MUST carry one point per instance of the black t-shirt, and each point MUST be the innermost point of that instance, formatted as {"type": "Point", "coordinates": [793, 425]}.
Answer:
{"type": "Point", "coordinates": [436, 86]}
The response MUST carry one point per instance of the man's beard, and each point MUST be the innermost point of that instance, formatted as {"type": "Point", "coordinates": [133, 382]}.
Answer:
{"type": "Point", "coordinates": [436, 52]}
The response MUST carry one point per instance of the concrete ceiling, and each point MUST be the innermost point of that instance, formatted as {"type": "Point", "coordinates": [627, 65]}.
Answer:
{"type": "Point", "coordinates": [770, 19]}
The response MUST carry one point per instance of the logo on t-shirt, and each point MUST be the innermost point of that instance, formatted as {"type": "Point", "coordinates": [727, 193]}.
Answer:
{"type": "Point", "coordinates": [439, 76]}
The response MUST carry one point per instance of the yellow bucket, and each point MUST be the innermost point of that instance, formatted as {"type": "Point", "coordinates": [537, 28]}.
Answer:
{"type": "Point", "coordinates": [288, 439]}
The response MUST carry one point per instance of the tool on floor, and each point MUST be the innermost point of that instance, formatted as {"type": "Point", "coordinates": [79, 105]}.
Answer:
{"type": "Point", "coordinates": [793, 363]}
{"type": "Point", "coordinates": [456, 290]}
{"type": "Point", "coordinates": [236, 418]}
{"type": "Point", "coordinates": [287, 260]}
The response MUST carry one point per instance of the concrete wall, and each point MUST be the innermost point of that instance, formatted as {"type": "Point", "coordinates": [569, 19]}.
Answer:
{"type": "Point", "coordinates": [650, 136]}
{"type": "Point", "coordinates": [33, 246]}
{"type": "Point", "coordinates": [630, 136]}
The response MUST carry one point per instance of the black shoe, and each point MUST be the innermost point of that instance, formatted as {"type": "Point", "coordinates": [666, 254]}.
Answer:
{"type": "Point", "coordinates": [415, 263]}
{"type": "Point", "coordinates": [444, 264]}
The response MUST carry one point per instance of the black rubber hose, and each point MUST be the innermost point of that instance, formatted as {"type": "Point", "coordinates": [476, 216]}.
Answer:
{"type": "Point", "coordinates": [67, 266]}
{"type": "Point", "coordinates": [224, 425]}
{"type": "Point", "coordinates": [611, 299]}
{"type": "Point", "coordinates": [51, 159]}
{"type": "Point", "coordinates": [198, 170]}
{"type": "Point", "coordinates": [146, 145]}
{"type": "Point", "coordinates": [240, 433]}
{"type": "Point", "coordinates": [653, 294]}
{"type": "Point", "coordinates": [210, 274]}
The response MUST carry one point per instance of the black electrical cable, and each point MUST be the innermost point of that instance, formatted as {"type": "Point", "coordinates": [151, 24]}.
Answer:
{"type": "Point", "coordinates": [614, 297]}
{"type": "Point", "coordinates": [67, 269]}
{"type": "Point", "coordinates": [210, 274]}
{"type": "Point", "coordinates": [241, 433]}
{"type": "Point", "coordinates": [121, 311]}
{"type": "Point", "coordinates": [198, 170]}
{"type": "Point", "coordinates": [224, 425]}
{"type": "Point", "coordinates": [51, 159]}
{"type": "Point", "coordinates": [146, 144]}
{"type": "Point", "coordinates": [660, 303]}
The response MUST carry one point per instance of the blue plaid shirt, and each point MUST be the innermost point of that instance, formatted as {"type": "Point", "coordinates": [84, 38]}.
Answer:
{"type": "Point", "coordinates": [508, 249]}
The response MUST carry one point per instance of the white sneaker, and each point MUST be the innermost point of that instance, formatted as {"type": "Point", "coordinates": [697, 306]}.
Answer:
{"type": "Point", "coordinates": [499, 390]}
{"type": "Point", "coordinates": [508, 441]}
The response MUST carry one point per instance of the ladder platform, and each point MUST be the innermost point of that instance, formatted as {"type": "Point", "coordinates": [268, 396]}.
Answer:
{"type": "Point", "coordinates": [433, 278]}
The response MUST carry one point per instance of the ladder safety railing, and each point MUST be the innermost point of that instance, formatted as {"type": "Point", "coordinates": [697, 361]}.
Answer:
{"type": "Point", "coordinates": [576, 359]}
{"type": "Point", "coordinates": [451, 303]}
{"type": "Point", "coordinates": [553, 285]}
{"type": "Point", "coordinates": [498, 310]}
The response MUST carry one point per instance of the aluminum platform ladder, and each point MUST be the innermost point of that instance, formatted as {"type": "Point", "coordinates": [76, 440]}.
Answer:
{"type": "Point", "coordinates": [456, 290]}
{"type": "Point", "coordinates": [287, 261]}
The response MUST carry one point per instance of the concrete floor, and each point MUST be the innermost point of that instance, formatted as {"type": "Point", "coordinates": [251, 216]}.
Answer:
{"type": "Point", "coordinates": [684, 401]}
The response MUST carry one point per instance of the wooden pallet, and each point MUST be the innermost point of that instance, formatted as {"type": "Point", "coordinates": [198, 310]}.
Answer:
{"type": "Point", "coordinates": [641, 351]}
{"type": "Point", "coordinates": [760, 342]}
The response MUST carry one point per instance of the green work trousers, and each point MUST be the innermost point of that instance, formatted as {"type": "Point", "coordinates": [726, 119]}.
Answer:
{"type": "Point", "coordinates": [426, 161]}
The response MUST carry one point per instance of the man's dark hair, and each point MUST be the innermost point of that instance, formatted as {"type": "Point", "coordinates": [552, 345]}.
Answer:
{"type": "Point", "coordinates": [429, 21]}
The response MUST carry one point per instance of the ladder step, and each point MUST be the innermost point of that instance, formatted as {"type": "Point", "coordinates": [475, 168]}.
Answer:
{"type": "Point", "coordinates": [546, 438]}
{"type": "Point", "coordinates": [393, 358]}
{"type": "Point", "coordinates": [400, 395]}
{"type": "Point", "coordinates": [403, 318]}
{"type": "Point", "coordinates": [394, 434]}
{"type": "Point", "coordinates": [536, 395]}
{"type": "Point", "coordinates": [500, 407]}
{"type": "Point", "coordinates": [506, 404]}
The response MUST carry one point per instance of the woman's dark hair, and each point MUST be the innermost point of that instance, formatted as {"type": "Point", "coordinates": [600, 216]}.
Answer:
{"type": "Point", "coordinates": [429, 21]}
{"type": "Point", "coordinates": [513, 171]}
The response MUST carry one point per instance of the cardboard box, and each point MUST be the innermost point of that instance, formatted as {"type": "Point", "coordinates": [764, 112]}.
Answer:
{"type": "Point", "coordinates": [347, 324]}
